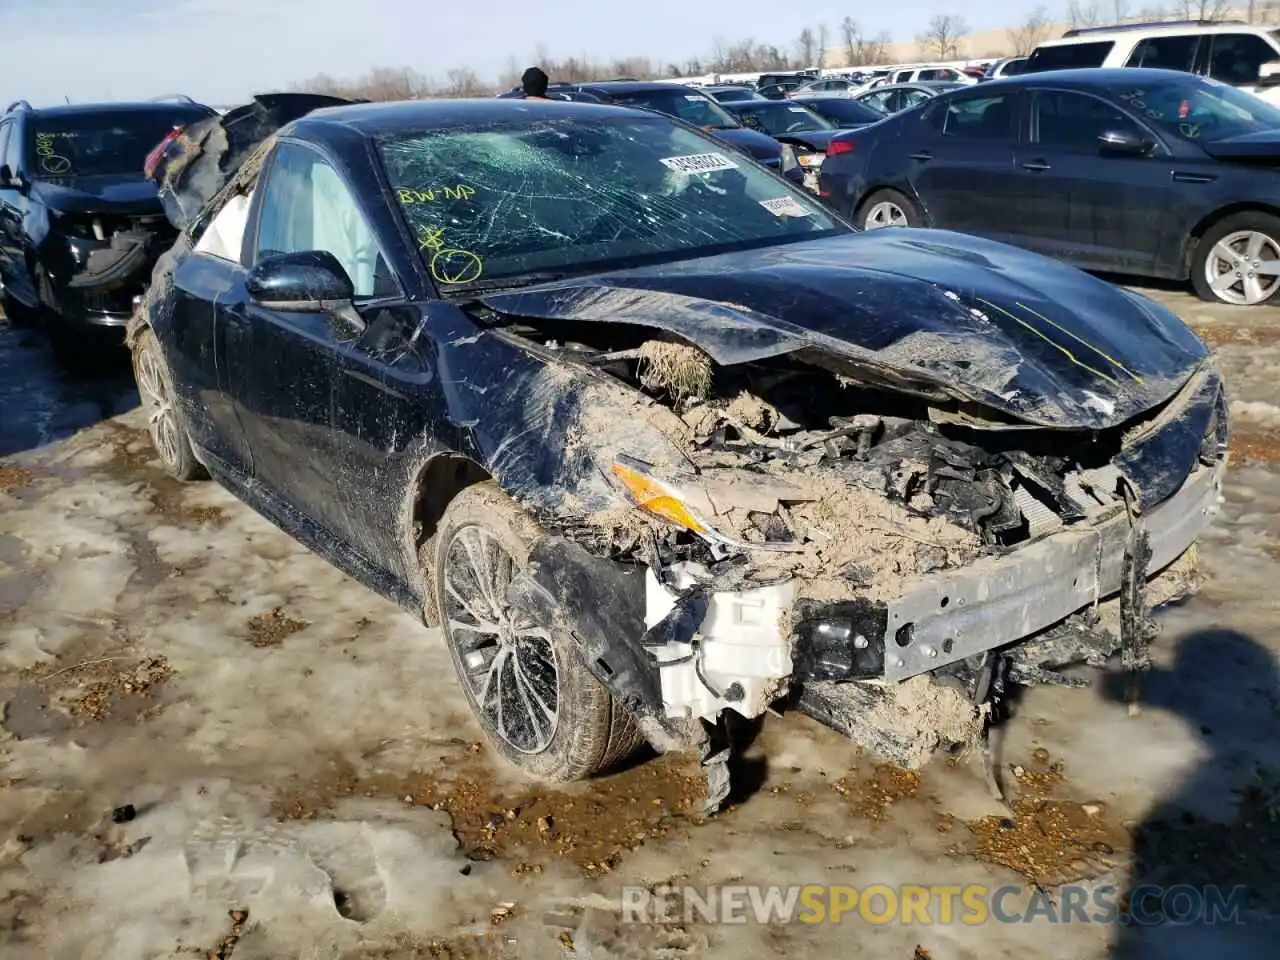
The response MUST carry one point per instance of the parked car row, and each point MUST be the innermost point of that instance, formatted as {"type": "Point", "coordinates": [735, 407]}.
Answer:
{"type": "Point", "coordinates": [1149, 172]}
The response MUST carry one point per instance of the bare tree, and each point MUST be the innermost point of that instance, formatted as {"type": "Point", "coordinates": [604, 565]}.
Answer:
{"type": "Point", "coordinates": [941, 41]}
{"type": "Point", "coordinates": [806, 45]}
{"type": "Point", "coordinates": [463, 82]}
{"type": "Point", "coordinates": [858, 50]}
{"type": "Point", "coordinates": [824, 41]}
{"type": "Point", "coordinates": [1153, 12]}
{"type": "Point", "coordinates": [1083, 13]}
{"type": "Point", "coordinates": [1203, 9]}
{"type": "Point", "coordinates": [1119, 11]}
{"type": "Point", "coordinates": [1027, 36]}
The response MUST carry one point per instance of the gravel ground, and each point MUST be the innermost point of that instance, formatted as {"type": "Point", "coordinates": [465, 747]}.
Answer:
{"type": "Point", "coordinates": [297, 775]}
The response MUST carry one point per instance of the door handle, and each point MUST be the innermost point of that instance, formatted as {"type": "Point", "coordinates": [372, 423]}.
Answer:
{"type": "Point", "coordinates": [922, 156]}
{"type": "Point", "coordinates": [1036, 165]}
{"type": "Point", "coordinates": [1183, 176]}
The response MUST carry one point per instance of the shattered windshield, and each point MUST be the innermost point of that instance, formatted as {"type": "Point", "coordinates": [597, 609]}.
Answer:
{"type": "Point", "coordinates": [779, 117]}
{"type": "Point", "coordinates": [693, 108]}
{"type": "Point", "coordinates": [1200, 109]}
{"type": "Point", "coordinates": [106, 142]}
{"type": "Point", "coordinates": [515, 200]}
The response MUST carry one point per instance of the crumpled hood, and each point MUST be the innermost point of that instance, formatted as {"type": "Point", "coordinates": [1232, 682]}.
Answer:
{"type": "Point", "coordinates": [1261, 145]}
{"type": "Point", "coordinates": [977, 320]}
{"type": "Point", "coordinates": [114, 193]}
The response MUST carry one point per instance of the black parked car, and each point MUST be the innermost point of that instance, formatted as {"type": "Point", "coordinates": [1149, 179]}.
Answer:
{"type": "Point", "coordinates": [652, 435]}
{"type": "Point", "coordinates": [80, 226]}
{"type": "Point", "coordinates": [692, 106]}
{"type": "Point", "coordinates": [792, 124]}
{"type": "Point", "coordinates": [839, 111]}
{"type": "Point", "coordinates": [1150, 172]}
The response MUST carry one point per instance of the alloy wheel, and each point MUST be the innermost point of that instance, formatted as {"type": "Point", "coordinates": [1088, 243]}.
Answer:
{"type": "Point", "coordinates": [1243, 268]}
{"type": "Point", "coordinates": [886, 213]}
{"type": "Point", "coordinates": [508, 660]}
{"type": "Point", "coordinates": [157, 402]}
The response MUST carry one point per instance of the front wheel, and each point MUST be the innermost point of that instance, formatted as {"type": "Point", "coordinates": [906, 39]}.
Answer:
{"type": "Point", "coordinates": [159, 404]}
{"type": "Point", "coordinates": [1238, 260]}
{"type": "Point", "coordinates": [526, 682]}
{"type": "Point", "coordinates": [888, 208]}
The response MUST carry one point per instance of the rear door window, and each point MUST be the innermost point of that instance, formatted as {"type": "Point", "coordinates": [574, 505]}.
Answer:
{"type": "Point", "coordinates": [1069, 56]}
{"type": "Point", "coordinates": [1238, 57]}
{"type": "Point", "coordinates": [1166, 53]}
{"type": "Point", "coordinates": [980, 118]}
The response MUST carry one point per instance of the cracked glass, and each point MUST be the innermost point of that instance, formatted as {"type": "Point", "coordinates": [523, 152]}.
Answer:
{"type": "Point", "coordinates": [532, 200]}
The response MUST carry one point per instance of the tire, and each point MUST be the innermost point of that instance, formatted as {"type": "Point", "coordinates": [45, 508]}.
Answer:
{"type": "Point", "coordinates": [590, 732]}
{"type": "Point", "coordinates": [1225, 264]}
{"type": "Point", "coordinates": [159, 403]}
{"type": "Point", "coordinates": [884, 202]}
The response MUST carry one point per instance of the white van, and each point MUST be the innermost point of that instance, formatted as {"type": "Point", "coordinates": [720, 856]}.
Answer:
{"type": "Point", "coordinates": [1229, 51]}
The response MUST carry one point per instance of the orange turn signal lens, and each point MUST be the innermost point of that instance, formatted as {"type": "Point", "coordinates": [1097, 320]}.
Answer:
{"type": "Point", "coordinates": [656, 498]}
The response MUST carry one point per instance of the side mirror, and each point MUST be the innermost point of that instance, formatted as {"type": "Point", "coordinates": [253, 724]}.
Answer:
{"type": "Point", "coordinates": [1269, 74]}
{"type": "Point", "coordinates": [1124, 143]}
{"type": "Point", "coordinates": [310, 281]}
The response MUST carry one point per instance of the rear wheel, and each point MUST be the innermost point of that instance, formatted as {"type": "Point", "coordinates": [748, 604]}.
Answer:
{"type": "Point", "coordinates": [888, 208]}
{"type": "Point", "coordinates": [526, 682]}
{"type": "Point", "coordinates": [159, 404]}
{"type": "Point", "coordinates": [1237, 261]}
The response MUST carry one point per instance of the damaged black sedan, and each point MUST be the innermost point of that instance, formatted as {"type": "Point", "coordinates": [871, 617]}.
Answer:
{"type": "Point", "coordinates": [653, 436]}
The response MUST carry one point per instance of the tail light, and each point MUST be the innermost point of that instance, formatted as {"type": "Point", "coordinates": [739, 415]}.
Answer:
{"type": "Point", "coordinates": [154, 157]}
{"type": "Point", "coordinates": [837, 147]}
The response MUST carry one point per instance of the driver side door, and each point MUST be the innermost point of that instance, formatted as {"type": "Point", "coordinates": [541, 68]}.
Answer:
{"type": "Point", "coordinates": [292, 380]}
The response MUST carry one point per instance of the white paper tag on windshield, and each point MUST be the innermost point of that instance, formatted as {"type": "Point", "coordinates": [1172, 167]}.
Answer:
{"type": "Point", "coordinates": [784, 207]}
{"type": "Point", "coordinates": [694, 97]}
{"type": "Point", "coordinates": [796, 109]}
{"type": "Point", "coordinates": [699, 163]}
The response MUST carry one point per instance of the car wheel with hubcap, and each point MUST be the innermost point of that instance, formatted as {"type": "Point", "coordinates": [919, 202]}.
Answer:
{"type": "Point", "coordinates": [887, 208]}
{"type": "Point", "coordinates": [159, 404]}
{"type": "Point", "coordinates": [525, 681]}
{"type": "Point", "coordinates": [1237, 261]}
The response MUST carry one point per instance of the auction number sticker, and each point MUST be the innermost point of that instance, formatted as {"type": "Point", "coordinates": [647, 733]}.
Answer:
{"type": "Point", "coordinates": [785, 207]}
{"type": "Point", "coordinates": [699, 163]}
{"type": "Point", "coordinates": [797, 109]}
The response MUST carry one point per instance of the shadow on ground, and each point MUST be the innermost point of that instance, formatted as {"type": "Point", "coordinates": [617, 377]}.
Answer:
{"type": "Point", "coordinates": [1206, 871]}
{"type": "Point", "coordinates": [41, 403]}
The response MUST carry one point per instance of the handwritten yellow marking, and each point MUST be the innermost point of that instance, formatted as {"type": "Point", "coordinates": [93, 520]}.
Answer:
{"type": "Point", "coordinates": [50, 160]}
{"type": "Point", "coordinates": [409, 196]}
{"type": "Point", "coordinates": [452, 265]}
{"type": "Point", "coordinates": [1053, 343]}
{"type": "Point", "coordinates": [433, 239]}
{"type": "Point", "coordinates": [1116, 363]}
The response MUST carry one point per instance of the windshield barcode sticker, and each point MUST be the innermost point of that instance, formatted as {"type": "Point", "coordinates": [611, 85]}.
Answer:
{"type": "Point", "coordinates": [699, 163]}
{"type": "Point", "coordinates": [694, 97]}
{"type": "Point", "coordinates": [785, 207]}
{"type": "Point", "coordinates": [796, 109]}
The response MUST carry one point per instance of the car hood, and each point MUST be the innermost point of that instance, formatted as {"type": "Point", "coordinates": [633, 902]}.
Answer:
{"type": "Point", "coordinates": [760, 146]}
{"type": "Point", "coordinates": [1262, 145]}
{"type": "Point", "coordinates": [107, 193]}
{"type": "Point", "coordinates": [928, 311]}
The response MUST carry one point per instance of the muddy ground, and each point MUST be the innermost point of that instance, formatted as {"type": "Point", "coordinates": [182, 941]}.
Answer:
{"type": "Point", "coordinates": [295, 772]}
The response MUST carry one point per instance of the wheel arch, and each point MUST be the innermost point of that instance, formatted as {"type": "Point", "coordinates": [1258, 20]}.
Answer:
{"type": "Point", "coordinates": [1210, 220]}
{"type": "Point", "coordinates": [902, 188]}
{"type": "Point", "coordinates": [435, 484]}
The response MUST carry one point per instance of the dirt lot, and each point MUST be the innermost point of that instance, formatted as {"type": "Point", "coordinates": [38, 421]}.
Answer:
{"type": "Point", "coordinates": [295, 773]}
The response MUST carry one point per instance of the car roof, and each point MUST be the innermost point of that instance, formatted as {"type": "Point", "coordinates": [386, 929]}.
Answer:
{"type": "Point", "coordinates": [1139, 32]}
{"type": "Point", "coordinates": [127, 106]}
{"type": "Point", "coordinates": [1091, 77]}
{"type": "Point", "coordinates": [607, 87]}
{"type": "Point", "coordinates": [406, 116]}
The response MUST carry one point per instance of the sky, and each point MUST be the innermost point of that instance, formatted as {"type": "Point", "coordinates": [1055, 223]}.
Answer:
{"type": "Point", "coordinates": [222, 51]}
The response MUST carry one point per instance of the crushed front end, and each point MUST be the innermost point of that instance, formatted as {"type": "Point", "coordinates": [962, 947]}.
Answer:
{"type": "Point", "coordinates": [884, 562]}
